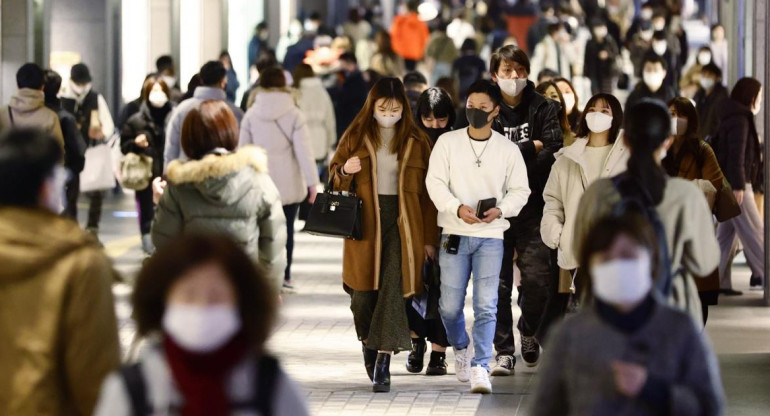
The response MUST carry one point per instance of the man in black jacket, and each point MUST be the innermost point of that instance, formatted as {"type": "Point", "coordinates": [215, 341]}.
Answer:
{"type": "Point", "coordinates": [74, 145]}
{"type": "Point", "coordinates": [350, 95]}
{"type": "Point", "coordinates": [531, 121]}
{"type": "Point", "coordinates": [654, 69]}
{"type": "Point", "coordinates": [708, 100]}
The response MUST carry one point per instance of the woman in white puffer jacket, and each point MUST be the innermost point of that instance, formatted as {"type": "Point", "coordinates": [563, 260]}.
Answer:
{"type": "Point", "coordinates": [598, 152]}
{"type": "Point", "coordinates": [276, 124]}
{"type": "Point", "coordinates": [318, 109]}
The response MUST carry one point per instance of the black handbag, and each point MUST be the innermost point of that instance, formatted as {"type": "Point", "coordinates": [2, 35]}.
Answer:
{"type": "Point", "coordinates": [336, 214]}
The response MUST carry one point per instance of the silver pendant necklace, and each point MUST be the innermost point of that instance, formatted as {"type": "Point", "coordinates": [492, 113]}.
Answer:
{"type": "Point", "coordinates": [478, 156]}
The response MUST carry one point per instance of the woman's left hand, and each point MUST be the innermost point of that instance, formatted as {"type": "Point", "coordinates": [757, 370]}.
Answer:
{"type": "Point", "coordinates": [629, 378]}
{"type": "Point", "coordinates": [431, 253]}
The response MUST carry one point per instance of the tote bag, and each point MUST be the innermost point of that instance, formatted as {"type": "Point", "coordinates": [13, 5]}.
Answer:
{"type": "Point", "coordinates": [97, 174]}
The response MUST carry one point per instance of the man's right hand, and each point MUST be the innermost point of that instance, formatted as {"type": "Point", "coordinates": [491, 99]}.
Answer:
{"type": "Point", "coordinates": [141, 140]}
{"type": "Point", "coordinates": [468, 215]}
{"type": "Point", "coordinates": [353, 165]}
{"type": "Point", "coordinates": [738, 193]}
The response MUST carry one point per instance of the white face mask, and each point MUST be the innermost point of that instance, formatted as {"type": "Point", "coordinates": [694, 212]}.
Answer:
{"type": "Point", "coordinates": [201, 329]}
{"type": "Point", "coordinates": [659, 46]}
{"type": "Point", "coordinates": [512, 87]}
{"type": "Point", "coordinates": [55, 198]}
{"type": "Point", "coordinates": [706, 83]}
{"type": "Point", "coordinates": [678, 126]}
{"type": "Point", "coordinates": [169, 80]}
{"type": "Point", "coordinates": [646, 14]}
{"type": "Point", "coordinates": [622, 281]}
{"type": "Point", "coordinates": [386, 122]}
{"type": "Point", "coordinates": [80, 89]}
{"type": "Point", "coordinates": [157, 98]}
{"type": "Point", "coordinates": [569, 101]}
{"type": "Point", "coordinates": [704, 58]}
{"type": "Point", "coordinates": [755, 109]}
{"type": "Point", "coordinates": [654, 80]}
{"type": "Point", "coordinates": [600, 32]}
{"type": "Point", "coordinates": [598, 122]}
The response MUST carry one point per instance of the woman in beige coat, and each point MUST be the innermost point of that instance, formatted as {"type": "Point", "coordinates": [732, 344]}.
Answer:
{"type": "Point", "coordinates": [597, 153]}
{"type": "Point", "coordinates": [680, 205]}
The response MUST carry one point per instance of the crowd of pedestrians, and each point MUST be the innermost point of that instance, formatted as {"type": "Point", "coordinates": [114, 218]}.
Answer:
{"type": "Point", "coordinates": [474, 159]}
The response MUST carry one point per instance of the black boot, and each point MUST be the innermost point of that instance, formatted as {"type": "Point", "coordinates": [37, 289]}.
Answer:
{"type": "Point", "coordinates": [414, 361]}
{"type": "Point", "coordinates": [370, 356]}
{"type": "Point", "coordinates": [437, 364]}
{"type": "Point", "coordinates": [381, 381]}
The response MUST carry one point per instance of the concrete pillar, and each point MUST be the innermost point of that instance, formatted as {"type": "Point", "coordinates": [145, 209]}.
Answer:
{"type": "Point", "coordinates": [17, 48]}
{"type": "Point", "coordinates": [200, 35]}
{"type": "Point", "coordinates": [761, 72]}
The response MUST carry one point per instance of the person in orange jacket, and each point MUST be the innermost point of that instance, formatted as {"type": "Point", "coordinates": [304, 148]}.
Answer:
{"type": "Point", "coordinates": [410, 36]}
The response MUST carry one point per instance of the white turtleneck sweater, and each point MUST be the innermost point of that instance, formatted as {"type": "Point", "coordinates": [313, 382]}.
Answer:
{"type": "Point", "coordinates": [387, 164]}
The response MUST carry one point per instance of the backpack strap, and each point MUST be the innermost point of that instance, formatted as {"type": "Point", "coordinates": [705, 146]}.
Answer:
{"type": "Point", "coordinates": [265, 385]}
{"type": "Point", "coordinates": [137, 389]}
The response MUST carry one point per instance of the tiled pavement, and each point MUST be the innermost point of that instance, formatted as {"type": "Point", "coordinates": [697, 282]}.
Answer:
{"type": "Point", "coordinates": [316, 341]}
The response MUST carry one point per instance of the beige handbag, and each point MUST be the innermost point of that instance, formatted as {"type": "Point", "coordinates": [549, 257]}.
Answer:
{"type": "Point", "coordinates": [135, 171]}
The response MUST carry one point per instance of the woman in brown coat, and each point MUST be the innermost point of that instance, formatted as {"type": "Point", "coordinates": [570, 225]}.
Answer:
{"type": "Point", "coordinates": [383, 158]}
{"type": "Point", "coordinates": [691, 158]}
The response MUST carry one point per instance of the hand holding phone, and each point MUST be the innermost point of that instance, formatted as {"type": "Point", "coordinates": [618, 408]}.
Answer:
{"type": "Point", "coordinates": [484, 206]}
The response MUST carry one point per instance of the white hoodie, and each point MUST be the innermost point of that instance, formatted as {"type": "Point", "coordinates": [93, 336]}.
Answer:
{"type": "Point", "coordinates": [317, 107]}
{"type": "Point", "coordinates": [277, 125]}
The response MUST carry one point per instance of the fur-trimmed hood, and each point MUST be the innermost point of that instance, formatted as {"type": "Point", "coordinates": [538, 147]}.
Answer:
{"type": "Point", "coordinates": [217, 177]}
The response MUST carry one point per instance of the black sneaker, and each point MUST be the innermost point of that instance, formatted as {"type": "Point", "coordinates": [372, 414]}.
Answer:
{"type": "Point", "coordinates": [530, 351]}
{"type": "Point", "coordinates": [437, 364]}
{"type": "Point", "coordinates": [755, 283]}
{"type": "Point", "coordinates": [416, 358]}
{"type": "Point", "coordinates": [504, 367]}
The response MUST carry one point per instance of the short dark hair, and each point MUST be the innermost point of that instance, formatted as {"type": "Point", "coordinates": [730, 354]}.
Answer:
{"type": "Point", "coordinates": [554, 27]}
{"type": "Point", "coordinates": [255, 296]}
{"type": "Point", "coordinates": [412, 5]}
{"type": "Point", "coordinates": [654, 58]}
{"type": "Point", "coordinates": [349, 57]}
{"type": "Point", "coordinates": [547, 72]}
{"type": "Point", "coordinates": [659, 35]}
{"type": "Point", "coordinates": [51, 85]}
{"type": "Point", "coordinates": [266, 61]}
{"type": "Point", "coordinates": [469, 45]}
{"type": "Point", "coordinates": [746, 91]}
{"type": "Point", "coordinates": [617, 116]}
{"type": "Point", "coordinates": [438, 102]}
{"type": "Point", "coordinates": [272, 77]}
{"type": "Point", "coordinates": [484, 86]}
{"type": "Point", "coordinates": [27, 158]}
{"type": "Point", "coordinates": [302, 71]}
{"type": "Point", "coordinates": [212, 125]}
{"type": "Point", "coordinates": [212, 73]}
{"type": "Point", "coordinates": [414, 78]}
{"type": "Point", "coordinates": [164, 63]}
{"type": "Point", "coordinates": [712, 68]}
{"type": "Point", "coordinates": [30, 75]}
{"type": "Point", "coordinates": [508, 53]}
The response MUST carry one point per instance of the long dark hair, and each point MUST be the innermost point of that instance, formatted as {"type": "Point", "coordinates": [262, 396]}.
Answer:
{"type": "Point", "coordinates": [647, 125]}
{"type": "Point", "coordinates": [617, 116]}
{"type": "Point", "coordinates": [746, 91]}
{"type": "Point", "coordinates": [365, 125]}
{"type": "Point", "coordinates": [563, 122]}
{"type": "Point", "coordinates": [690, 140]}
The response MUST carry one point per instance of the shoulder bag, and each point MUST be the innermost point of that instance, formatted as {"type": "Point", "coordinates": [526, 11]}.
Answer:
{"type": "Point", "coordinates": [336, 214]}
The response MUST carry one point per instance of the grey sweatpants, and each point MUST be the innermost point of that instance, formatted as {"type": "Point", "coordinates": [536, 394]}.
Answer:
{"type": "Point", "coordinates": [749, 228]}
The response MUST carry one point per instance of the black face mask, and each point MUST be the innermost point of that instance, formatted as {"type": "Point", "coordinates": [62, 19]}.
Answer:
{"type": "Point", "coordinates": [477, 118]}
{"type": "Point", "coordinates": [434, 133]}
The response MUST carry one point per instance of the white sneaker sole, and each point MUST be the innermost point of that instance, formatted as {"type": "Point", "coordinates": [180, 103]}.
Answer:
{"type": "Point", "coordinates": [501, 372]}
{"type": "Point", "coordinates": [481, 389]}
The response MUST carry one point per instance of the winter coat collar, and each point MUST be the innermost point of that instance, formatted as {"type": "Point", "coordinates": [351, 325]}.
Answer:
{"type": "Point", "coordinates": [217, 166]}
{"type": "Point", "coordinates": [209, 93]}
{"type": "Point", "coordinates": [273, 103]}
{"type": "Point", "coordinates": [27, 99]}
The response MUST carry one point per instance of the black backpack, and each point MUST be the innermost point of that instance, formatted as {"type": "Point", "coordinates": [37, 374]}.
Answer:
{"type": "Point", "coordinates": [262, 402]}
{"type": "Point", "coordinates": [634, 198]}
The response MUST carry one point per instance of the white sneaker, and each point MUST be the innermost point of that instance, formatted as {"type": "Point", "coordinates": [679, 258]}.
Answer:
{"type": "Point", "coordinates": [480, 380]}
{"type": "Point", "coordinates": [463, 364]}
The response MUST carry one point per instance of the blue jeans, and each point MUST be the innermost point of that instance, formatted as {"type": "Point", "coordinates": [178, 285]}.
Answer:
{"type": "Point", "coordinates": [483, 257]}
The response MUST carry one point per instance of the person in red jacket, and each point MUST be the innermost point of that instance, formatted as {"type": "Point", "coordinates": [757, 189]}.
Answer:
{"type": "Point", "coordinates": [410, 36]}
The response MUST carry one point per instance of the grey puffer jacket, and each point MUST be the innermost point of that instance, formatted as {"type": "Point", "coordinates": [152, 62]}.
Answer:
{"type": "Point", "coordinates": [229, 193]}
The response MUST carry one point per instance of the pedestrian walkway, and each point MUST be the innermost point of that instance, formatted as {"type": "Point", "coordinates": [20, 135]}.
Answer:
{"type": "Point", "coordinates": [316, 341]}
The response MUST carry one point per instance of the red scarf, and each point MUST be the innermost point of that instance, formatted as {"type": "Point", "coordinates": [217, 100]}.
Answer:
{"type": "Point", "coordinates": [202, 378]}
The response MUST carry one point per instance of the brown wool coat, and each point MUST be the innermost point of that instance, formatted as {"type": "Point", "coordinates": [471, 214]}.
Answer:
{"type": "Point", "coordinates": [417, 221]}
{"type": "Point", "coordinates": [710, 171]}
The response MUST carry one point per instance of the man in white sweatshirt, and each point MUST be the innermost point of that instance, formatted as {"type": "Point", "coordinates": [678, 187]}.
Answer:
{"type": "Point", "coordinates": [465, 168]}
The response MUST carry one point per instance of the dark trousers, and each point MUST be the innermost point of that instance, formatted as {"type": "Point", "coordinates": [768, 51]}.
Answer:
{"type": "Point", "coordinates": [410, 64]}
{"type": "Point", "coordinates": [432, 329]}
{"type": "Point", "coordinates": [72, 190]}
{"type": "Point", "coordinates": [290, 211]}
{"type": "Point", "coordinates": [94, 209]}
{"type": "Point", "coordinates": [146, 209]}
{"type": "Point", "coordinates": [538, 274]}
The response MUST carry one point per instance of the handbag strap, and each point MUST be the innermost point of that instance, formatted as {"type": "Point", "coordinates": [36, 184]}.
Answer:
{"type": "Point", "coordinates": [330, 188]}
